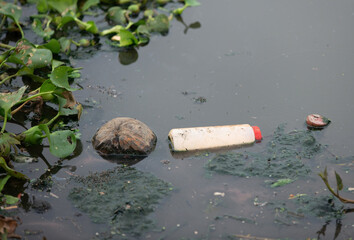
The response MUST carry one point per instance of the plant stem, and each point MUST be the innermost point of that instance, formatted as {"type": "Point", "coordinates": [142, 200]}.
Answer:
{"type": "Point", "coordinates": [5, 121]}
{"type": "Point", "coordinates": [2, 22]}
{"type": "Point", "coordinates": [20, 28]}
{"type": "Point", "coordinates": [8, 78]}
{"type": "Point", "coordinates": [53, 119]}
{"type": "Point", "coordinates": [342, 199]}
{"type": "Point", "coordinates": [34, 96]}
{"type": "Point", "coordinates": [3, 45]}
{"type": "Point", "coordinates": [75, 43]}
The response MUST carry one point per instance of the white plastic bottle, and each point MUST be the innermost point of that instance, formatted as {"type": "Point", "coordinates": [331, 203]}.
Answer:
{"type": "Point", "coordinates": [201, 138]}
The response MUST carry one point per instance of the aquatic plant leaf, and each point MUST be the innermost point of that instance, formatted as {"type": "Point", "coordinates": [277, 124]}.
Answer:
{"type": "Point", "coordinates": [158, 24]}
{"type": "Point", "coordinates": [281, 182]}
{"type": "Point", "coordinates": [117, 15]}
{"type": "Point", "coordinates": [115, 29]}
{"type": "Point", "coordinates": [7, 100]}
{"type": "Point", "coordinates": [65, 44]}
{"type": "Point", "coordinates": [12, 11]}
{"type": "Point", "coordinates": [63, 6]}
{"type": "Point", "coordinates": [10, 171]}
{"type": "Point", "coordinates": [3, 182]}
{"type": "Point", "coordinates": [6, 141]}
{"type": "Point", "coordinates": [56, 63]}
{"type": "Point", "coordinates": [42, 6]}
{"type": "Point", "coordinates": [91, 27]}
{"type": "Point", "coordinates": [33, 135]}
{"type": "Point", "coordinates": [10, 199]}
{"type": "Point", "coordinates": [339, 182]}
{"type": "Point", "coordinates": [62, 143]}
{"type": "Point", "coordinates": [127, 38]}
{"type": "Point", "coordinates": [89, 3]}
{"type": "Point", "coordinates": [47, 86]}
{"type": "Point", "coordinates": [192, 3]}
{"type": "Point", "coordinates": [27, 54]}
{"type": "Point", "coordinates": [25, 71]}
{"type": "Point", "coordinates": [59, 77]}
{"type": "Point", "coordinates": [65, 19]}
{"type": "Point", "coordinates": [67, 105]}
{"type": "Point", "coordinates": [37, 28]}
{"type": "Point", "coordinates": [53, 45]}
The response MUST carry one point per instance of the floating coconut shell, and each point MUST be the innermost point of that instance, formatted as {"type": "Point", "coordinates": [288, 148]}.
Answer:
{"type": "Point", "coordinates": [317, 121]}
{"type": "Point", "coordinates": [124, 136]}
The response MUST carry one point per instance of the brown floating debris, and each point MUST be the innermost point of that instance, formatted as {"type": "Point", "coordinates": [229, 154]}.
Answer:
{"type": "Point", "coordinates": [124, 136]}
{"type": "Point", "coordinates": [317, 121]}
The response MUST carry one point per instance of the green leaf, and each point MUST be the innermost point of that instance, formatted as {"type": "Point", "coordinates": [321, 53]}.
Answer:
{"type": "Point", "coordinates": [91, 27]}
{"type": "Point", "coordinates": [42, 6]}
{"type": "Point", "coordinates": [115, 29]}
{"type": "Point", "coordinates": [339, 182]}
{"type": "Point", "coordinates": [127, 38]}
{"type": "Point", "coordinates": [64, 20]}
{"type": "Point", "coordinates": [53, 45]}
{"type": "Point", "coordinates": [59, 77]}
{"type": "Point", "coordinates": [56, 63]}
{"type": "Point", "coordinates": [158, 24]}
{"type": "Point", "coordinates": [27, 54]}
{"type": "Point", "coordinates": [62, 143]}
{"type": "Point", "coordinates": [47, 86]}
{"type": "Point", "coordinates": [191, 3]}
{"type": "Point", "coordinates": [63, 6]}
{"type": "Point", "coordinates": [33, 135]}
{"type": "Point", "coordinates": [10, 171]}
{"type": "Point", "coordinates": [65, 44]}
{"type": "Point", "coordinates": [281, 182]}
{"type": "Point", "coordinates": [143, 29]}
{"type": "Point", "coordinates": [25, 71]}
{"type": "Point", "coordinates": [12, 11]}
{"type": "Point", "coordinates": [3, 182]}
{"type": "Point", "coordinates": [10, 199]}
{"type": "Point", "coordinates": [7, 100]}
{"type": "Point", "coordinates": [6, 141]}
{"type": "Point", "coordinates": [65, 111]}
{"type": "Point", "coordinates": [117, 15]}
{"type": "Point", "coordinates": [88, 4]}
{"type": "Point", "coordinates": [38, 29]}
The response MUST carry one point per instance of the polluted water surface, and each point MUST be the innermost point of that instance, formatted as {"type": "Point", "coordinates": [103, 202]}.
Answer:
{"type": "Point", "coordinates": [257, 62]}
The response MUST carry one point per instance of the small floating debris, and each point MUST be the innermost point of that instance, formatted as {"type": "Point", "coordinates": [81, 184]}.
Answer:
{"type": "Point", "coordinates": [317, 121]}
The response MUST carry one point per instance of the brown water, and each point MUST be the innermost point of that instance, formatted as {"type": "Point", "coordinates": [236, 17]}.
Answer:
{"type": "Point", "coordinates": [257, 62]}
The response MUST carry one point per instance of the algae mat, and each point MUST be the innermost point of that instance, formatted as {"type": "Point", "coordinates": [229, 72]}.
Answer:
{"type": "Point", "coordinates": [123, 198]}
{"type": "Point", "coordinates": [283, 157]}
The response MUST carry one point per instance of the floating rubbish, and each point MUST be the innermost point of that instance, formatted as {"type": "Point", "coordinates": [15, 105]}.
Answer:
{"type": "Point", "coordinates": [201, 138]}
{"type": "Point", "coordinates": [317, 121]}
{"type": "Point", "coordinates": [124, 138]}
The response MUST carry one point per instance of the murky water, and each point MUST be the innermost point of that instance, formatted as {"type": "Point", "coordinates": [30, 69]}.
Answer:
{"type": "Point", "coordinates": [257, 62]}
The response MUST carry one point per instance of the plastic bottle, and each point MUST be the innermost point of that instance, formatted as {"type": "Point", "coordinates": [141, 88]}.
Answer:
{"type": "Point", "coordinates": [201, 138]}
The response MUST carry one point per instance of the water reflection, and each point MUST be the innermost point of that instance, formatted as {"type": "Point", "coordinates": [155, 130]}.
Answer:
{"type": "Point", "coordinates": [128, 56]}
{"type": "Point", "coordinates": [124, 159]}
{"type": "Point", "coordinates": [194, 25]}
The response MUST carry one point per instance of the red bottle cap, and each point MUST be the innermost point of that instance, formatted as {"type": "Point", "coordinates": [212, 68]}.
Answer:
{"type": "Point", "coordinates": [257, 133]}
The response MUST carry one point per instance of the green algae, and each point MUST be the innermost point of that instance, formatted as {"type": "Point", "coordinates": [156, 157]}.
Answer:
{"type": "Point", "coordinates": [325, 208]}
{"type": "Point", "coordinates": [282, 158]}
{"type": "Point", "coordinates": [123, 198]}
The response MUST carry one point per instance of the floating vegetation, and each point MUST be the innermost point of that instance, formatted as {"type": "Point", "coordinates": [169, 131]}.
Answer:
{"type": "Point", "coordinates": [122, 197]}
{"type": "Point", "coordinates": [282, 159]}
